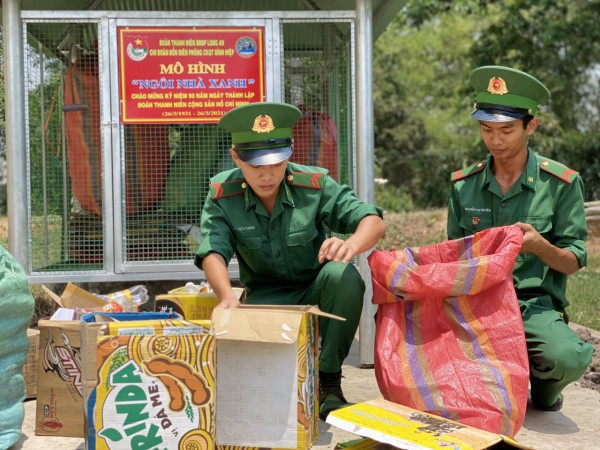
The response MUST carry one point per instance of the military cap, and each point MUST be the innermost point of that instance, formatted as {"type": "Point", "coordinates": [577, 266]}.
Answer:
{"type": "Point", "coordinates": [261, 133]}
{"type": "Point", "coordinates": [504, 94]}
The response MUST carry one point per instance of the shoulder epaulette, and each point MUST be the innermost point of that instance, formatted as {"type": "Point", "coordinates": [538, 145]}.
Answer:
{"type": "Point", "coordinates": [464, 173]}
{"type": "Point", "coordinates": [558, 170]}
{"type": "Point", "coordinates": [227, 188]}
{"type": "Point", "coordinates": [311, 180]}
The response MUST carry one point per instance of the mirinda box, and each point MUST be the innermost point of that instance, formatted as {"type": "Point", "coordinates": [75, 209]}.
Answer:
{"type": "Point", "coordinates": [156, 388]}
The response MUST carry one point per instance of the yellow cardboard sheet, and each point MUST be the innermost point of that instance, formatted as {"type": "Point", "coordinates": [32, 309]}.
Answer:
{"type": "Point", "coordinates": [409, 429]}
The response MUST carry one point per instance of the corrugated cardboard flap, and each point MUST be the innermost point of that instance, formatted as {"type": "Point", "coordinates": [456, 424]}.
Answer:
{"type": "Point", "coordinates": [263, 323]}
{"type": "Point", "coordinates": [403, 427]}
{"type": "Point", "coordinates": [73, 296]}
{"type": "Point", "coordinates": [70, 325]}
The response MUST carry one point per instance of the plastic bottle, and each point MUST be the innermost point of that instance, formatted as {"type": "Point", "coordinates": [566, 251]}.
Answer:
{"type": "Point", "coordinates": [191, 288]}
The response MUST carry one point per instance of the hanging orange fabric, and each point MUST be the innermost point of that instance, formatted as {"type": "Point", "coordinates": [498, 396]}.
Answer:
{"type": "Point", "coordinates": [147, 151]}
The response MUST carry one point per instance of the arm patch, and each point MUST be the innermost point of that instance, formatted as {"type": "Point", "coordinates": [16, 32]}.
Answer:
{"type": "Point", "coordinates": [464, 173]}
{"type": "Point", "coordinates": [311, 180]}
{"type": "Point", "coordinates": [559, 171]}
{"type": "Point", "coordinates": [227, 189]}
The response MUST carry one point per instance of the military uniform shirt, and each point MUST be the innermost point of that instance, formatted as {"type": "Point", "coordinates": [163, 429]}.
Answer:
{"type": "Point", "coordinates": [280, 248]}
{"type": "Point", "coordinates": [548, 196]}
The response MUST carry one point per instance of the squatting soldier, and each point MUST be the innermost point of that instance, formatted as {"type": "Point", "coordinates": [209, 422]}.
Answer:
{"type": "Point", "coordinates": [275, 217]}
{"type": "Point", "coordinates": [515, 185]}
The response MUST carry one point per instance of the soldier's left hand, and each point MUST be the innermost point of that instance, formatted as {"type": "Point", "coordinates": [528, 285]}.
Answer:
{"type": "Point", "coordinates": [336, 249]}
{"type": "Point", "coordinates": [531, 238]}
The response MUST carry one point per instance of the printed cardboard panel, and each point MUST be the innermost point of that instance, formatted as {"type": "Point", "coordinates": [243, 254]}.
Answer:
{"type": "Point", "coordinates": [98, 323]}
{"type": "Point", "coordinates": [191, 305]}
{"type": "Point", "coordinates": [59, 409]}
{"type": "Point", "coordinates": [155, 391]}
{"type": "Point", "coordinates": [403, 427]}
{"type": "Point", "coordinates": [268, 357]}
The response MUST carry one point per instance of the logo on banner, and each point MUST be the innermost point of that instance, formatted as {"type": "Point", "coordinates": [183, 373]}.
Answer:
{"type": "Point", "coordinates": [245, 47]}
{"type": "Point", "coordinates": [137, 49]}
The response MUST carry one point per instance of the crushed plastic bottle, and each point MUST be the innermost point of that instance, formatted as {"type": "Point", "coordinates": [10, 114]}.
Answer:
{"type": "Point", "coordinates": [129, 299]}
{"type": "Point", "coordinates": [191, 288]}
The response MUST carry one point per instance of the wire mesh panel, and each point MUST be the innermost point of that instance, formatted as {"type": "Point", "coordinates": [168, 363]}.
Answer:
{"type": "Point", "coordinates": [317, 79]}
{"type": "Point", "coordinates": [166, 171]}
{"type": "Point", "coordinates": [64, 145]}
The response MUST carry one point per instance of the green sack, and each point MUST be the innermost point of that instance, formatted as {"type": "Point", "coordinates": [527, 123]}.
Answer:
{"type": "Point", "coordinates": [17, 309]}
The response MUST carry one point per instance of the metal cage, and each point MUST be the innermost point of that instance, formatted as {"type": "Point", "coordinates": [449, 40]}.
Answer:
{"type": "Point", "coordinates": [108, 199]}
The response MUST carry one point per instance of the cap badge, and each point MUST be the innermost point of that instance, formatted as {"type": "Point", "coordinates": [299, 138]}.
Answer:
{"type": "Point", "coordinates": [263, 124]}
{"type": "Point", "coordinates": [475, 221]}
{"type": "Point", "coordinates": [497, 86]}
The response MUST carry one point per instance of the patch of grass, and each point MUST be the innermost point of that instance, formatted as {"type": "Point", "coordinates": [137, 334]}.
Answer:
{"type": "Point", "coordinates": [414, 229]}
{"type": "Point", "coordinates": [582, 291]}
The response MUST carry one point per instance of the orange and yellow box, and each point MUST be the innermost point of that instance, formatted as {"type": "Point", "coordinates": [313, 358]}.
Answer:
{"type": "Point", "coordinates": [156, 389]}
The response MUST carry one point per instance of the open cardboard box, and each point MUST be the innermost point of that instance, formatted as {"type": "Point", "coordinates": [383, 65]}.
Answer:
{"type": "Point", "coordinates": [390, 425]}
{"type": "Point", "coordinates": [191, 305]}
{"type": "Point", "coordinates": [267, 376]}
{"type": "Point", "coordinates": [75, 297]}
{"type": "Point", "coordinates": [265, 383]}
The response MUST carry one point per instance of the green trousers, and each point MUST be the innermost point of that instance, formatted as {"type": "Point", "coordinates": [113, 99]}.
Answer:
{"type": "Point", "coordinates": [338, 289]}
{"type": "Point", "coordinates": [557, 356]}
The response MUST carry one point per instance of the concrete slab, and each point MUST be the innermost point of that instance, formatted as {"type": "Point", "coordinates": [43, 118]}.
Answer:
{"type": "Point", "coordinates": [575, 427]}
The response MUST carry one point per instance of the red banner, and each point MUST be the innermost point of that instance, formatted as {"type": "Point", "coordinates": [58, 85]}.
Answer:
{"type": "Point", "coordinates": [188, 75]}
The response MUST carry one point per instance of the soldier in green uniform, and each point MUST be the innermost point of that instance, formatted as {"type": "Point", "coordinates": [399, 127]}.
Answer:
{"type": "Point", "coordinates": [275, 216]}
{"type": "Point", "coordinates": [515, 185]}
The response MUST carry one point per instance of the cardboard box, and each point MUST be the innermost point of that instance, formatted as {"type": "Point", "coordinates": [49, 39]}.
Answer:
{"type": "Point", "coordinates": [30, 368]}
{"type": "Point", "coordinates": [267, 376]}
{"type": "Point", "coordinates": [190, 305]}
{"type": "Point", "coordinates": [92, 325]}
{"type": "Point", "coordinates": [59, 396]}
{"type": "Point", "coordinates": [156, 386]}
{"type": "Point", "coordinates": [384, 422]}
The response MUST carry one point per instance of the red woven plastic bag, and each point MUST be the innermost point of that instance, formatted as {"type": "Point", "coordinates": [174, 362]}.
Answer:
{"type": "Point", "coordinates": [449, 336]}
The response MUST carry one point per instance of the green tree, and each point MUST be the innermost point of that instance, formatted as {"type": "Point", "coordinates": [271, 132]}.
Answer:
{"type": "Point", "coordinates": [423, 99]}
{"type": "Point", "coordinates": [421, 110]}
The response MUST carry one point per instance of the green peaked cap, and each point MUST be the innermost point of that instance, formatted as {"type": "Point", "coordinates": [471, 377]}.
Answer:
{"type": "Point", "coordinates": [260, 122]}
{"type": "Point", "coordinates": [498, 85]}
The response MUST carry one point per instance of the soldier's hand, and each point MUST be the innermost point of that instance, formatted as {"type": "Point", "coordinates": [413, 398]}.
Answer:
{"type": "Point", "coordinates": [228, 303]}
{"type": "Point", "coordinates": [531, 238]}
{"type": "Point", "coordinates": [336, 249]}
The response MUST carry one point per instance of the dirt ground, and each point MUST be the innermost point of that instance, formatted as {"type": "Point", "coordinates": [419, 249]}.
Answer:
{"type": "Point", "coordinates": [591, 378]}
